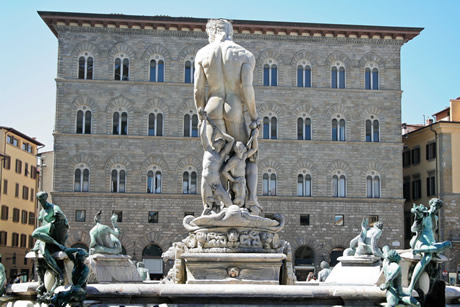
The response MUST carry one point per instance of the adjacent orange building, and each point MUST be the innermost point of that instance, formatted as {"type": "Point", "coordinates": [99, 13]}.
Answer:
{"type": "Point", "coordinates": [18, 186]}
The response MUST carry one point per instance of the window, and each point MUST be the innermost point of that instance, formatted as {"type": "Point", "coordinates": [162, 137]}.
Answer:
{"type": "Point", "coordinates": [305, 219]}
{"type": "Point", "coordinates": [81, 182]}
{"type": "Point", "coordinates": [154, 181]}
{"type": "Point", "coordinates": [338, 129]}
{"type": "Point", "coordinates": [25, 193]}
{"type": "Point", "coordinates": [339, 220]}
{"type": "Point", "coordinates": [157, 70]}
{"type": "Point", "coordinates": [27, 147]}
{"type": "Point", "coordinates": [80, 215]}
{"type": "Point", "coordinates": [191, 125]}
{"type": "Point", "coordinates": [416, 188]}
{"type": "Point", "coordinates": [372, 219]}
{"type": "Point", "coordinates": [16, 215]}
{"type": "Point", "coordinates": [7, 162]}
{"type": "Point", "coordinates": [83, 122]}
{"type": "Point", "coordinates": [189, 71]}
{"type": "Point", "coordinates": [406, 188]}
{"type": "Point", "coordinates": [415, 153]}
{"type": "Point", "coordinates": [120, 123]}
{"type": "Point", "coordinates": [270, 127]}
{"type": "Point", "coordinates": [371, 78]}
{"type": "Point", "coordinates": [23, 241]}
{"type": "Point", "coordinates": [16, 190]}
{"type": "Point", "coordinates": [32, 193]}
{"type": "Point", "coordinates": [269, 184]}
{"type": "Point", "coordinates": [373, 186]}
{"type": "Point", "coordinates": [155, 124]}
{"type": "Point", "coordinates": [15, 240]}
{"type": "Point", "coordinates": [303, 185]}
{"type": "Point", "coordinates": [372, 130]}
{"type": "Point", "coordinates": [26, 169]}
{"type": "Point", "coordinates": [338, 76]}
{"type": "Point", "coordinates": [270, 74]}
{"type": "Point", "coordinates": [186, 213]}
{"type": "Point", "coordinates": [304, 76]}
{"type": "Point", "coordinates": [12, 140]}
{"type": "Point", "coordinates": [31, 242]}
{"type": "Point", "coordinates": [339, 188]}
{"type": "Point", "coordinates": [153, 216]}
{"type": "Point", "coordinates": [24, 217]}
{"type": "Point", "coordinates": [31, 218]}
{"type": "Point", "coordinates": [118, 181]}
{"type": "Point", "coordinates": [303, 128]}
{"type": "Point", "coordinates": [406, 157]}
{"type": "Point", "coordinates": [430, 185]}
{"type": "Point", "coordinates": [18, 166]}
{"type": "Point", "coordinates": [85, 67]}
{"type": "Point", "coordinates": [121, 68]}
{"type": "Point", "coordinates": [4, 215]}
{"type": "Point", "coordinates": [5, 186]}
{"type": "Point", "coordinates": [189, 181]}
{"type": "Point", "coordinates": [33, 172]}
{"type": "Point", "coordinates": [431, 151]}
{"type": "Point", "coordinates": [3, 238]}
{"type": "Point", "coordinates": [119, 214]}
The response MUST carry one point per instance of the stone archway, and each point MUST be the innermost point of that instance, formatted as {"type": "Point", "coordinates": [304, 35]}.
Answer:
{"type": "Point", "coordinates": [151, 256]}
{"type": "Point", "coordinates": [335, 253]}
{"type": "Point", "coordinates": [304, 262]}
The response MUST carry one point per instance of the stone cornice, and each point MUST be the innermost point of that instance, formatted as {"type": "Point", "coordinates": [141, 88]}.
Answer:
{"type": "Point", "coordinates": [245, 28]}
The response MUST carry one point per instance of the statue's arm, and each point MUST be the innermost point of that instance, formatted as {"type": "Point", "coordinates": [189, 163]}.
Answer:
{"type": "Point", "coordinates": [115, 230]}
{"type": "Point", "coordinates": [199, 86]}
{"type": "Point", "coordinates": [203, 135]}
{"type": "Point", "coordinates": [374, 242]}
{"type": "Point", "coordinates": [231, 164]}
{"type": "Point", "coordinates": [254, 142]}
{"type": "Point", "coordinates": [248, 90]}
{"type": "Point", "coordinates": [229, 143]}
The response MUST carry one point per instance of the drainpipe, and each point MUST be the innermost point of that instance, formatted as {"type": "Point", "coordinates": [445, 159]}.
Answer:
{"type": "Point", "coordinates": [436, 178]}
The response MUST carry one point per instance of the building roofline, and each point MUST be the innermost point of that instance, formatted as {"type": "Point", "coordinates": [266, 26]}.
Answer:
{"type": "Point", "coordinates": [444, 110]}
{"type": "Point", "coordinates": [140, 21]}
{"type": "Point", "coordinates": [24, 136]}
{"type": "Point", "coordinates": [433, 124]}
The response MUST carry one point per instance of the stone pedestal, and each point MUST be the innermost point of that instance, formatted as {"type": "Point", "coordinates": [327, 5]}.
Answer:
{"type": "Point", "coordinates": [233, 268]}
{"type": "Point", "coordinates": [356, 270]}
{"type": "Point", "coordinates": [112, 268]}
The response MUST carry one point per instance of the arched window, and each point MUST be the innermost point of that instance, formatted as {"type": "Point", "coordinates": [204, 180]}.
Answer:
{"type": "Point", "coordinates": [304, 262]}
{"type": "Point", "coordinates": [373, 186]}
{"type": "Point", "coordinates": [338, 76]}
{"type": "Point", "coordinates": [304, 185]}
{"type": "Point", "coordinates": [154, 181]}
{"type": "Point", "coordinates": [304, 76]}
{"type": "Point", "coordinates": [120, 123]}
{"type": "Point", "coordinates": [80, 245]}
{"type": "Point", "coordinates": [121, 68]}
{"type": "Point", "coordinates": [269, 184]}
{"type": "Point", "coordinates": [270, 74]}
{"type": "Point", "coordinates": [270, 127]}
{"type": "Point", "coordinates": [83, 122]}
{"type": "Point", "coordinates": [85, 67]}
{"type": "Point", "coordinates": [151, 257]}
{"type": "Point", "coordinates": [303, 128]}
{"type": "Point", "coordinates": [191, 125]}
{"type": "Point", "coordinates": [118, 181]}
{"type": "Point", "coordinates": [155, 124]}
{"type": "Point", "coordinates": [371, 78]}
{"type": "Point", "coordinates": [157, 70]}
{"type": "Point", "coordinates": [189, 182]}
{"type": "Point", "coordinates": [189, 71]}
{"type": "Point", "coordinates": [81, 182]}
{"type": "Point", "coordinates": [338, 129]}
{"type": "Point", "coordinates": [372, 130]}
{"type": "Point", "coordinates": [339, 187]}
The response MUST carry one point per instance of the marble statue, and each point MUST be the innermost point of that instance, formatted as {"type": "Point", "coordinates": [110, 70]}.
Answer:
{"type": "Point", "coordinates": [2, 277]}
{"type": "Point", "coordinates": [366, 243]}
{"type": "Point", "coordinates": [215, 152]}
{"type": "Point", "coordinates": [227, 69]}
{"type": "Point", "coordinates": [324, 273]}
{"type": "Point", "coordinates": [143, 272]}
{"type": "Point", "coordinates": [80, 273]}
{"type": "Point", "coordinates": [423, 242]}
{"type": "Point", "coordinates": [393, 281]}
{"type": "Point", "coordinates": [51, 237]}
{"type": "Point", "coordinates": [103, 238]}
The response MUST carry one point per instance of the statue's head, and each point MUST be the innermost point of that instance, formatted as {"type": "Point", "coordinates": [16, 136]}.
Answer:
{"type": "Point", "coordinates": [324, 265]}
{"type": "Point", "coordinates": [378, 224]}
{"type": "Point", "coordinates": [97, 217]}
{"type": "Point", "coordinates": [418, 210]}
{"type": "Point", "coordinates": [393, 256]}
{"type": "Point", "coordinates": [219, 30]}
{"type": "Point", "coordinates": [42, 196]}
{"type": "Point", "coordinates": [219, 144]}
{"type": "Point", "coordinates": [81, 255]}
{"type": "Point", "coordinates": [436, 203]}
{"type": "Point", "coordinates": [239, 147]}
{"type": "Point", "coordinates": [140, 264]}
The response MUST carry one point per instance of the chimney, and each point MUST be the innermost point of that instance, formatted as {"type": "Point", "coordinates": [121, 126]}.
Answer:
{"type": "Point", "coordinates": [429, 121]}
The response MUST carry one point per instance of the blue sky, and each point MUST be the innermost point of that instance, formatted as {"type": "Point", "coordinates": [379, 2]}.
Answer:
{"type": "Point", "coordinates": [429, 63]}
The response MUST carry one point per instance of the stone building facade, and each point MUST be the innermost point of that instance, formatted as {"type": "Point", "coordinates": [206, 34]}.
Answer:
{"type": "Point", "coordinates": [330, 152]}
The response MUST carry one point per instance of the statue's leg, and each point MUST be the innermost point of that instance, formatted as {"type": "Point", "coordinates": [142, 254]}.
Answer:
{"type": "Point", "coordinates": [418, 270]}
{"type": "Point", "coordinates": [223, 196]}
{"type": "Point", "coordinates": [411, 301]}
{"type": "Point", "coordinates": [52, 264]}
{"type": "Point", "coordinates": [47, 239]}
{"type": "Point", "coordinates": [434, 248]}
{"type": "Point", "coordinates": [251, 182]}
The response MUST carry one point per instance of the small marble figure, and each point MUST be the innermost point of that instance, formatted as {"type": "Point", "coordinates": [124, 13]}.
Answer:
{"type": "Point", "coordinates": [393, 283]}
{"type": "Point", "coordinates": [423, 242]}
{"type": "Point", "coordinates": [80, 273]}
{"type": "Point", "coordinates": [2, 277]}
{"type": "Point", "coordinates": [103, 238]}
{"type": "Point", "coordinates": [143, 272]}
{"type": "Point", "coordinates": [325, 271]}
{"type": "Point", "coordinates": [51, 237]}
{"type": "Point", "coordinates": [366, 243]}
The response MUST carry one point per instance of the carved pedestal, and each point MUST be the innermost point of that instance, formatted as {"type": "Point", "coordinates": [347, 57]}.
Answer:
{"type": "Point", "coordinates": [233, 268]}
{"type": "Point", "coordinates": [112, 268]}
{"type": "Point", "coordinates": [356, 270]}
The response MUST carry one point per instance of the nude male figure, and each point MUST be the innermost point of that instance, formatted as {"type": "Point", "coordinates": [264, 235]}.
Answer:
{"type": "Point", "coordinates": [214, 155]}
{"type": "Point", "coordinates": [228, 70]}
